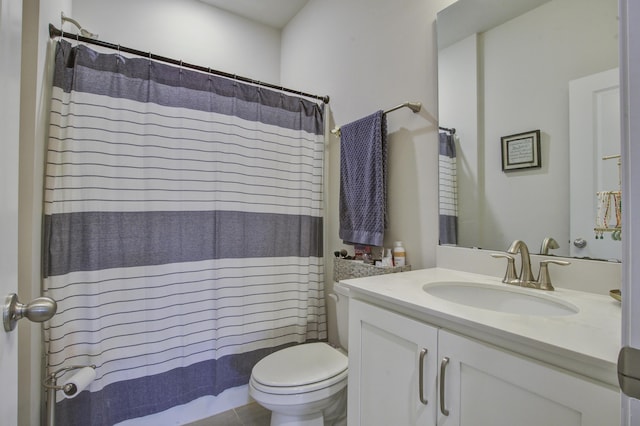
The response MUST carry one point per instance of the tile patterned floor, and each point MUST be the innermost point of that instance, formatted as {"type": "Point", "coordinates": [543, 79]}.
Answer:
{"type": "Point", "coordinates": [247, 415]}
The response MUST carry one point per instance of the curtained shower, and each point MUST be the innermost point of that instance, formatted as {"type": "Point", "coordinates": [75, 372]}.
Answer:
{"type": "Point", "coordinates": [182, 232]}
{"type": "Point", "coordinates": [448, 188]}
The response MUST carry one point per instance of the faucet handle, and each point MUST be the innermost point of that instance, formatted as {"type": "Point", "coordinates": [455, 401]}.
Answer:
{"type": "Point", "coordinates": [544, 279]}
{"type": "Point", "coordinates": [510, 276]}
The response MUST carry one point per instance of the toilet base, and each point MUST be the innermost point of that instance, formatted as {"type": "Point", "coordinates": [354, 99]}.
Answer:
{"type": "Point", "coordinates": [330, 412]}
{"type": "Point", "coordinates": [280, 419]}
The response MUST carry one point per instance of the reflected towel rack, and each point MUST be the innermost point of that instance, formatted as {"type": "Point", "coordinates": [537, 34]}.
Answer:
{"type": "Point", "coordinates": [413, 106]}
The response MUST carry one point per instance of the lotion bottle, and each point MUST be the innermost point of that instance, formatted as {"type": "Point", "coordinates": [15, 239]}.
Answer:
{"type": "Point", "coordinates": [399, 254]}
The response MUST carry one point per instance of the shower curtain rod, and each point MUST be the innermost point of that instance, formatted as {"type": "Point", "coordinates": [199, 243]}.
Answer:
{"type": "Point", "coordinates": [413, 106]}
{"type": "Point", "coordinates": [448, 129]}
{"type": "Point", "coordinates": [54, 32]}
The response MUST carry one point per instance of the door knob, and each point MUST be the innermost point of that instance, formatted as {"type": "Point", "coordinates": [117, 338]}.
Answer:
{"type": "Point", "coordinates": [580, 242]}
{"type": "Point", "coordinates": [38, 310]}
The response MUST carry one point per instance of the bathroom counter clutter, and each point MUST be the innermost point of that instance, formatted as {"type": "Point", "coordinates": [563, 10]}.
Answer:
{"type": "Point", "coordinates": [576, 331]}
{"type": "Point", "coordinates": [346, 269]}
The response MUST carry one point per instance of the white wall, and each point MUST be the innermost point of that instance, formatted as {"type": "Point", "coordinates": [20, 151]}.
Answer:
{"type": "Point", "coordinates": [370, 55]}
{"type": "Point", "coordinates": [187, 30]}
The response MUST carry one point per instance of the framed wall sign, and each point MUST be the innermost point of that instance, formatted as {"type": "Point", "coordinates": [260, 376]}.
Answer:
{"type": "Point", "coordinates": [521, 151]}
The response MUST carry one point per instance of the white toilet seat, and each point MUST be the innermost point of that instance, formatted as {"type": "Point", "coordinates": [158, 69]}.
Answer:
{"type": "Point", "coordinates": [305, 385]}
{"type": "Point", "coordinates": [301, 369]}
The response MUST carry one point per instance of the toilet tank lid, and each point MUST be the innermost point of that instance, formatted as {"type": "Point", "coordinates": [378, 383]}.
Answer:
{"type": "Point", "coordinates": [300, 365]}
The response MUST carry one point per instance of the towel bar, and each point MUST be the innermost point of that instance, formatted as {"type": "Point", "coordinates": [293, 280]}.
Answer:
{"type": "Point", "coordinates": [413, 106]}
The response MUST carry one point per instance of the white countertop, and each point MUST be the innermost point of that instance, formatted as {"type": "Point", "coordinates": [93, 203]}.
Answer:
{"type": "Point", "coordinates": [586, 342]}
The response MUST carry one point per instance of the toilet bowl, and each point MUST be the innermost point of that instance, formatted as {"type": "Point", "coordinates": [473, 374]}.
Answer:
{"type": "Point", "coordinates": [306, 385]}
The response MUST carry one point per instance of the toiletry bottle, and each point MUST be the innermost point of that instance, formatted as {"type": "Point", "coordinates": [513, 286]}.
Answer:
{"type": "Point", "coordinates": [399, 254]}
{"type": "Point", "coordinates": [387, 260]}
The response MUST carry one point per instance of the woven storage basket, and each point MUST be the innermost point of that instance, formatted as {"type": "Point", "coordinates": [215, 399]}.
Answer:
{"type": "Point", "coordinates": [344, 269]}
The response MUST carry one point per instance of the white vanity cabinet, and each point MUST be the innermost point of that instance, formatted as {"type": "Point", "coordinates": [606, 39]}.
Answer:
{"type": "Point", "coordinates": [387, 353]}
{"type": "Point", "coordinates": [484, 385]}
{"type": "Point", "coordinates": [481, 385]}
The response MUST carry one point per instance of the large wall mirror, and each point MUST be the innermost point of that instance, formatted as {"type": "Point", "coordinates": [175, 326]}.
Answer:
{"type": "Point", "coordinates": [519, 66]}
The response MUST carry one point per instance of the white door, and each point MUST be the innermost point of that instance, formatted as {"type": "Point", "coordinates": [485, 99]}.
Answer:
{"type": "Point", "coordinates": [630, 107]}
{"type": "Point", "coordinates": [594, 129]}
{"type": "Point", "coordinates": [10, 39]}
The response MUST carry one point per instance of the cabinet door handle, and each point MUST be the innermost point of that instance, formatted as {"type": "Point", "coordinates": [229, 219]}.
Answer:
{"type": "Point", "coordinates": [423, 354]}
{"type": "Point", "coordinates": [443, 369]}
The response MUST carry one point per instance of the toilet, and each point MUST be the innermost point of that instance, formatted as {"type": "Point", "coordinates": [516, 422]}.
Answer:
{"type": "Point", "coordinates": [306, 385]}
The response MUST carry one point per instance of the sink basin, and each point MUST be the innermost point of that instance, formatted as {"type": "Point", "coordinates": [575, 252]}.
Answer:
{"type": "Point", "coordinates": [500, 298]}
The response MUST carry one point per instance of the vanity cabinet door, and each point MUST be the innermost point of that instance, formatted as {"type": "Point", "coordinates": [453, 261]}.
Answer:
{"type": "Point", "coordinates": [388, 354]}
{"type": "Point", "coordinates": [487, 386]}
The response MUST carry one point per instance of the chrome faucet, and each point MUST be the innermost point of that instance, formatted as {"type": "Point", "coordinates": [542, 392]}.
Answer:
{"type": "Point", "coordinates": [510, 275]}
{"type": "Point", "coordinates": [548, 243]}
{"type": "Point", "coordinates": [526, 276]}
{"type": "Point", "coordinates": [544, 279]}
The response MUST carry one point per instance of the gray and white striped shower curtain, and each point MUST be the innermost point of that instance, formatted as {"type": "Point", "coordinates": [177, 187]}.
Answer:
{"type": "Point", "coordinates": [448, 190]}
{"type": "Point", "coordinates": [183, 231]}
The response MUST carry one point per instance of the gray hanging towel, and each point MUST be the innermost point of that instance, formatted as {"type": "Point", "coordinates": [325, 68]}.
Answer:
{"type": "Point", "coordinates": [363, 180]}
